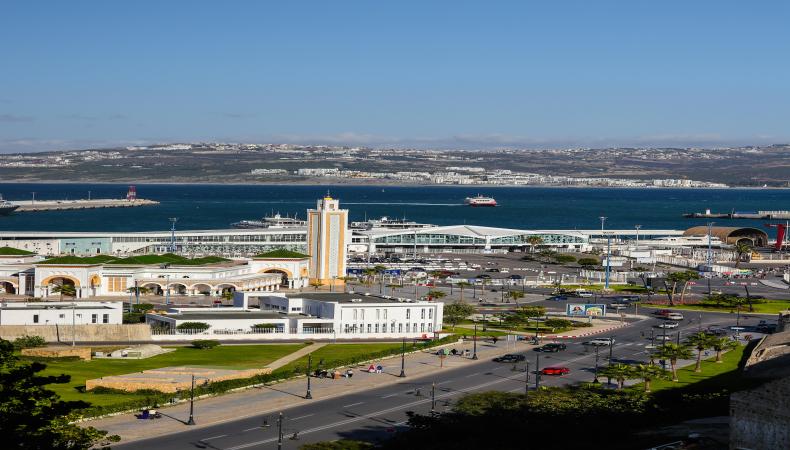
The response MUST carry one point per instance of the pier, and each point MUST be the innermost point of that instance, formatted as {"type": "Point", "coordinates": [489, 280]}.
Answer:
{"type": "Point", "coordinates": [59, 205]}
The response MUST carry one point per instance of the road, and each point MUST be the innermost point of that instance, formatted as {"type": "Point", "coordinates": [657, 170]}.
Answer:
{"type": "Point", "coordinates": [376, 414]}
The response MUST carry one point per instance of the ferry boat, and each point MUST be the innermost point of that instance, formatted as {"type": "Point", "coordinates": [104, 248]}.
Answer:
{"type": "Point", "coordinates": [274, 221]}
{"type": "Point", "coordinates": [6, 207]}
{"type": "Point", "coordinates": [386, 222]}
{"type": "Point", "coordinates": [480, 201]}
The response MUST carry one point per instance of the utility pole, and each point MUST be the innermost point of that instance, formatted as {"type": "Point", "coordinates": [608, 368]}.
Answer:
{"type": "Point", "coordinates": [637, 235]}
{"type": "Point", "coordinates": [603, 221]}
{"type": "Point", "coordinates": [611, 347]}
{"type": "Point", "coordinates": [403, 359]}
{"type": "Point", "coordinates": [537, 371]}
{"type": "Point", "coordinates": [309, 395]}
{"type": "Point", "coordinates": [191, 420]}
{"type": "Point", "coordinates": [526, 379]}
{"type": "Point", "coordinates": [167, 290]}
{"type": "Point", "coordinates": [608, 258]}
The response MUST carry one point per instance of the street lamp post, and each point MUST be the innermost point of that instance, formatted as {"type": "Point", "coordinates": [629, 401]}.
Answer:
{"type": "Point", "coordinates": [167, 290]}
{"type": "Point", "coordinates": [191, 420]}
{"type": "Point", "coordinates": [474, 344]}
{"type": "Point", "coordinates": [433, 398]}
{"type": "Point", "coordinates": [73, 324]}
{"type": "Point", "coordinates": [309, 395]}
{"type": "Point", "coordinates": [595, 380]}
{"type": "Point", "coordinates": [637, 235]}
{"type": "Point", "coordinates": [403, 359]}
{"type": "Point", "coordinates": [280, 432]}
{"type": "Point", "coordinates": [537, 371]}
{"type": "Point", "coordinates": [611, 347]}
{"type": "Point", "coordinates": [608, 259]}
{"type": "Point", "coordinates": [526, 379]}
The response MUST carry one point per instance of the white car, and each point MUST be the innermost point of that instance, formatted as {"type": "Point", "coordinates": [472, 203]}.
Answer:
{"type": "Point", "coordinates": [584, 294]}
{"type": "Point", "coordinates": [674, 316]}
{"type": "Point", "coordinates": [600, 341]}
{"type": "Point", "coordinates": [663, 338]}
{"type": "Point", "coordinates": [668, 325]}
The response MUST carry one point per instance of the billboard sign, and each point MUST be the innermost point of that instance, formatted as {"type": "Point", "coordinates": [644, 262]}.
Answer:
{"type": "Point", "coordinates": [585, 309]}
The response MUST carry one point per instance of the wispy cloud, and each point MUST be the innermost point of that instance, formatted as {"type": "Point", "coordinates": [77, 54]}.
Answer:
{"type": "Point", "coordinates": [89, 118]}
{"type": "Point", "coordinates": [15, 118]}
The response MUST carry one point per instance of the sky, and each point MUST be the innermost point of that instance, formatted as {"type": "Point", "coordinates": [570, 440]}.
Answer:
{"type": "Point", "coordinates": [432, 74]}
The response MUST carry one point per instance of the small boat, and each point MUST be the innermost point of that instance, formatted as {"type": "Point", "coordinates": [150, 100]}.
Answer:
{"type": "Point", "coordinates": [6, 207]}
{"type": "Point", "coordinates": [480, 201]}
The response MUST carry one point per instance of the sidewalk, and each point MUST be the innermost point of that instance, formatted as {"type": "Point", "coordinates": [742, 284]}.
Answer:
{"type": "Point", "coordinates": [276, 397]}
{"type": "Point", "coordinates": [295, 355]}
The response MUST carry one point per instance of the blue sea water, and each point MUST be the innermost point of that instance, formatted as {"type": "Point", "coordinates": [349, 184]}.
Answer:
{"type": "Point", "coordinates": [216, 206]}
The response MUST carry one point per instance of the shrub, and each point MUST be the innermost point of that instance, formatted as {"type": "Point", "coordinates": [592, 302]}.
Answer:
{"type": "Point", "coordinates": [142, 307]}
{"type": "Point", "coordinates": [259, 326]}
{"type": "Point", "coordinates": [581, 324]}
{"type": "Point", "coordinates": [558, 323]}
{"type": "Point", "coordinates": [205, 344]}
{"type": "Point", "coordinates": [588, 262]}
{"type": "Point", "coordinates": [133, 318]}
{"type": "Point", "coordinates": [29, 342]}
{"type": "Point", "coordinates": [199, 326]}
{"type": "Point", "coordinates": [564, 259]}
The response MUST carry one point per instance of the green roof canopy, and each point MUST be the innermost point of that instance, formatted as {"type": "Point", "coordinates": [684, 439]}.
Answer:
{"type": "Point", "coordinates": [281, 254]}
{"type": "Point", "coordinates": [5, 251]}
{"type": "Point", "coordinates": [167, 258]}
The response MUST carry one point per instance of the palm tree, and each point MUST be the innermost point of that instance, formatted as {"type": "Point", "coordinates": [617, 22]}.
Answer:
{"type": "Point", "coordinates": [619, 372]}
{"type": "Point", "coordinates": [674, 352]}
{"type": "Point", "coordinates": [435, 294]}
{"type": "Point", "coordinates": [316, 284]}
{"type": "Point", "coordinates": [721, 343]}
{"type": "Point", "coordinates": [701, 341]}
{"type": "Point", "coordinates": [463, 285]}
{"type": "Point", "coordinates": [140, 290]}
{"type": "Point", "coordinates": [648, 373]}
{"type": "Point", "coordinates": [684, 277]}
{"type": "Point", "coordinates": [741, 248]}
{"type": "Point", "coordinates": [65, 289]}
{"type": "Point", "coordinates": [368, 275]}
{"type": "Point", "coordinates": [534, 241]}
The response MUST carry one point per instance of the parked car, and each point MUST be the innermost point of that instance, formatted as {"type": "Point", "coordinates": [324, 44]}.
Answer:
{"type": "Point", "coordinates": [509, 358]}
{"type": "Point", "coordinates": [583, 293]}
{"type": "Point", "coordinates": [663, 312]}
{"type": "Point", "coordinates": [664, 337]}
{"type": "Point", "coordinates": [600, 342]}
{"type": "Point", "coordinates": [555, 371]}
{"type": "Point", "coordinates": [668, 325]}
{"type": "Point", "coordinates": [716, 331]}
{"type": "Point", "coordinates": [551, 347]}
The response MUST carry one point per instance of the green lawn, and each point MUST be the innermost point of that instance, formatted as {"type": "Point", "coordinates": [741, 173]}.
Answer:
{"type": "Point", "coordinates": [710, 369]}
{"type": "Point", "coordinates": [225, 356]}
{"type": "Point", "coordinates": [335, 355]}
{"type": "Point", "coordinates": [766, 307]}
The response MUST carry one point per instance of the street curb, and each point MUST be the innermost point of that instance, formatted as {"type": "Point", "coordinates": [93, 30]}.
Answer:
{"type": "Point", "coordinates": [603, 330]}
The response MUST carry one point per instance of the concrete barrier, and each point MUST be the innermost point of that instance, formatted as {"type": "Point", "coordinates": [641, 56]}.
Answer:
{"type": "Point", "coordinates": [80, 333]}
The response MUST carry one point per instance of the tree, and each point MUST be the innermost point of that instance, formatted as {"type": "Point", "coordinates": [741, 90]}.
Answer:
{"type": "Point", "coordinates": [140, 290]}
{"type": "Point", "coordinates": [720, 344]}
{"type": "Point", "coordinates": [65, 289]}
{"type": "Point", "coordinates": [367, 276]}
{"type": "Point", "coordinates": [619, 372]}
{"type": "Point", "coordinates": [35, 418]}
{"type": "Point", "coordinates": [741, 248]}
{"type": "Point", "coordinates": [701, 341]}
{"type": "Point", "coordinates": [676, 278]}
{"type": "Point", "coordinates": [456, 312]}
{"type": "Point", "coordinates": [205, 344]}
{"type": "Point", "coordinates": [463, 285]}
{"type": "Point", "coordinates": [315, 284]}
{"type": "Point", "coordinates": [533, 242]}
{"type": "Point", "coordinates": [673, 352]}
{"type": "Point", "coordinates": [436, 294]}
{"type": "Point", "coordinates": [648, 373]}
{"type": "Point", "coordinates": [515, 295]}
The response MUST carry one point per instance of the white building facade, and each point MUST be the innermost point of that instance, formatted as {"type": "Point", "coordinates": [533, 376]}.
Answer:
{"type": "Point", "coordinates": [61, 313]}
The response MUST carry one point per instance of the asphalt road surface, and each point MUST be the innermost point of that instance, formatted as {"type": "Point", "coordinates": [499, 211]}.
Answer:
{"type": "Point", "coordinates": [376, 414]}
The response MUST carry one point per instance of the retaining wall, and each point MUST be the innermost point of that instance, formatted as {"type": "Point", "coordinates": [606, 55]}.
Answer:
{"type": "Point", "coordinates": [80, 333]}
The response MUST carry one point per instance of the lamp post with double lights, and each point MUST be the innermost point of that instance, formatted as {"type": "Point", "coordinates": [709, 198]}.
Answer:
{"type": "Point", "coordinates": [474, 343]}
{"type": "Point", "coordinates": [191, 420]}
{"type": "Point", "coordinates": [309, 394]}
{"type": "Point", "coordinates": [403, 359]}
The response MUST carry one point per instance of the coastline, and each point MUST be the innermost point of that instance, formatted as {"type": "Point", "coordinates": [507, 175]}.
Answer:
{"type": "Point", "coordinates": [372, 183]}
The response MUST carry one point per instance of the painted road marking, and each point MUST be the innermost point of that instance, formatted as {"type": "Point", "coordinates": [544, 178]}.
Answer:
{"type": "Point", "coordinates": [390, 395]}
{"type": "Point", "coordinates": [214, 437]}
{"type": "Point", "coordinates": [353, 404]}
{"type": "Point", "coordinates": [303, 417]}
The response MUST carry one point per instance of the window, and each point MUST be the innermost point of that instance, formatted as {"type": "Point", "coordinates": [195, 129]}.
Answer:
{"type": "Point", "coordinates": [105, 318]}
{"type": "Point", "coordinates": [422, 327]}
{"type": "Point", "coordinates": [362, 312]}
{"type": "Point", "coordinates": [422, 313]}
{"type": "Point", "coordinates": [35, 318]}
{"type": "Point", "coordinates": [430, 327]}
{"type": "Point", "coordinates": [377, 314]}
{"type": "Point", "coordinates": [408, 313]}
{"type": "Point", "coordinates": [385, 314]}
{"type": "Point", "coordinates": [94, 318]}
{"type": "Point", "coordinates": [355, 314]}
{"type": "Point", "coordinates": [61, 316]}
{"type": "Point", "coordinates": [392, 327]}
{"type": "Point", "coordinates": [415, 327]}
{"type": "Point", "coordinates": [383, 327]}
{"type": "Point", "coordinates": [400, 328]}
{"type": "Point", "coordinates": [430, 313]}
{"type": "Point", "coordinates": [377, 328]}
{"type": "Point", "coordinates": [369, 328]}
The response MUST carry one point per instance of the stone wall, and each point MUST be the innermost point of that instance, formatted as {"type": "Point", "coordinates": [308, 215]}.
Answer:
{"type": "Point", "coordinates": [171, 379]}
{"type": "Point", "coordinates": [760, 418]}
{"type": "Point", "coordinates": [81, 333]}
{"type": "Point", "coordinates": [58, 352]}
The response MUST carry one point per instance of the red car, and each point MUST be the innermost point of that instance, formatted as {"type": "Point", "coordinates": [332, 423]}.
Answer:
{"type": "Point", "coordinates": [555, 371]}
